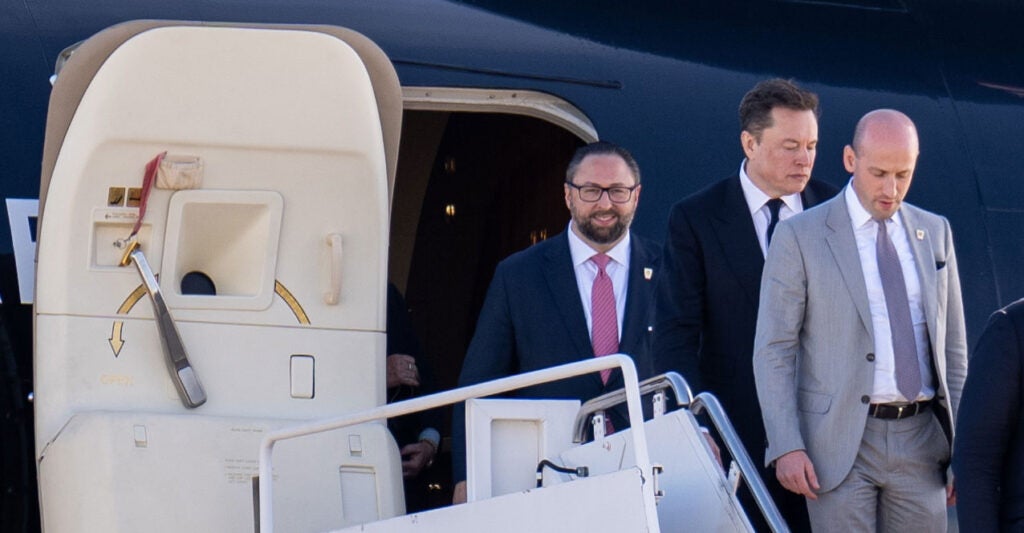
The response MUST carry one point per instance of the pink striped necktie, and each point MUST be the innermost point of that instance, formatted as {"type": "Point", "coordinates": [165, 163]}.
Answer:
{"type": "Point", "coordinates": [604, 327]}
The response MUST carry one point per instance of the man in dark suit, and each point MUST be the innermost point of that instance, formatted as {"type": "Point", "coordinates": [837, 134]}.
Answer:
{"type": "Point", "coordinates": [714, 254]}
{"type": "Point", "coordinates": [988, 456]}
{"type": "Point", "coordinates": [409, 374]}
{"type": "Point", "coordinates": [552, 303]}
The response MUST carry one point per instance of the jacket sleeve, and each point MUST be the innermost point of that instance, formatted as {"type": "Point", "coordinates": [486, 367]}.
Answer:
{"type": "Point", "coordinates": [956, 329]}
{"type": "Point", "coordinates": [987, 421]}
{"type": "Point", "coordinates": [777, 342]}
{"type": "Point", "coordinates": [679, 302]}
{"type": "Point", "coordinates": [401, 339]}
{"type": "Point", "coordinates": [491, 355]}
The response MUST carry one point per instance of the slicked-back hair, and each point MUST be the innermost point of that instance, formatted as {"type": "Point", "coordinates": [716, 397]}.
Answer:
{"type": "Point", "coordinates": [756, 106]}
{"type": "Point", "coordinates": [601, 148]}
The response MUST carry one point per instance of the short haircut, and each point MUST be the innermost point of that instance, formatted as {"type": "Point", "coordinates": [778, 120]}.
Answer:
{"type": "Point", "coordinates": [601, 148]}
{"type": "Point", "coordinates": [756, 106]}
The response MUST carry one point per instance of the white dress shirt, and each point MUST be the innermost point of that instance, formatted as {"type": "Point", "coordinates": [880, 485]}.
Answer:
{"type": "Point", "coordinates": [586, 271]}
{"type": "Point", "coordinates": [757, 202]}
{"type": "Point", "coordinates": [865, 229]}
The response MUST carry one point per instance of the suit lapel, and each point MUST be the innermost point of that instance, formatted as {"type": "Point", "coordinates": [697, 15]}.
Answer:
{"type": "Point", "coordinates": [810, 196]}
{"type": "Point", "coordinates": [843, 245]}
{"type": "Point", "coordinates": [561, 280]}
{"type": "Point", "coordinates": [638, 297]}
{"type": "Point", "coordinates": [734, 227]}
{"type": "Point", "coordinates": [924, 261]}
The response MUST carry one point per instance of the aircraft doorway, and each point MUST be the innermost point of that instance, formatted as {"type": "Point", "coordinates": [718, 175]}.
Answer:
{"type": "Point", "coordinates": [471, 189]}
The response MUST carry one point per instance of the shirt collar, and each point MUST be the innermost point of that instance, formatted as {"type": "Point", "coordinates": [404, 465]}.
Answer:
{"type": "Point", "coordinates": [582, 252]}
{"type": "Point", "coordinates": [756, 198]}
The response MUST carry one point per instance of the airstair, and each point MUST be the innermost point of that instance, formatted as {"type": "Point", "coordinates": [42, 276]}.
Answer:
{"type": "Point", "coordinates": [660, 477]}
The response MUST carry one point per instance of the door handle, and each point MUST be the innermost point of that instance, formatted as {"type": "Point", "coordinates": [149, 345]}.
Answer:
{"type": "Point", "coordinates": [182, 374]}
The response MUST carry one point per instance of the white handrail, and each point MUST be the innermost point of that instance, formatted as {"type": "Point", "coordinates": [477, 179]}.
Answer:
{"type": "Point", "coordinates": [706, 401]}
{"type": "Point", "coordinates": [636, 420]}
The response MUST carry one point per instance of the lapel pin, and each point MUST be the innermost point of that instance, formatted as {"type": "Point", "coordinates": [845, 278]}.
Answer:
{"type": "Point", "coordinates": [648, 273]}
{"type": "Point", "coordinates": [920, 234]}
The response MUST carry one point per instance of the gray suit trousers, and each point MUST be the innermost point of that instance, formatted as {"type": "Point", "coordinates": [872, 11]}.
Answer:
{"type": "Point", "coordinates": [896, 483]}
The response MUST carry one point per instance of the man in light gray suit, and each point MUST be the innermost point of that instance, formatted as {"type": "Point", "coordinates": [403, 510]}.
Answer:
{"type": "Point", "coordinates": [860, 352]}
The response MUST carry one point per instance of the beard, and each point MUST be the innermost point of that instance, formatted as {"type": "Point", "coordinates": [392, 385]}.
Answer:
{"type": "Point", "coordinates": [599, 234]}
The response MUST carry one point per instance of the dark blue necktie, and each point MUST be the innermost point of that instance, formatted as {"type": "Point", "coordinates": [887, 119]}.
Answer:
{"type": "Point", "coordinates": [774, 205]}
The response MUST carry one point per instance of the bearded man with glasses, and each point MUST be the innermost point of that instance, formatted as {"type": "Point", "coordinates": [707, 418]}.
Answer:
{"type": "Point", "coordinates": [584, 293]}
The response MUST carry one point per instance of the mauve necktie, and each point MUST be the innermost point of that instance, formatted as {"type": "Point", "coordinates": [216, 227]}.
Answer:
{"type": "Point", "coordinates": [774, 205]}
{"type": "Point", "coordinates": [904, 347]}
{"type": "Point", "coordinates": [604, 327]}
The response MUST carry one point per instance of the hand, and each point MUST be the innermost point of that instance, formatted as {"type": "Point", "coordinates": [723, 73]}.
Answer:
{"type": "Point", "coordinates": [401, 370]}
{"type": "Point", "coordinates": [950, 493]}
{"type": "Point", "coordinates": [416, 457]}
{"type": "Point", "coordinates": [459, 494]}
{"type": "Point", "coordinates": [714, 448]}
{"type": "Point", "coordinates": [796, 472]}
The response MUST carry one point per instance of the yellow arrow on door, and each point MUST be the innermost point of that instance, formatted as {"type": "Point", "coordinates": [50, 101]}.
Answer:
{"type": "Point", "coordinates": [116, 342]}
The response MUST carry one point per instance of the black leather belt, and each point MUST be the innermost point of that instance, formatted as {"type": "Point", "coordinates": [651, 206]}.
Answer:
{"type": "Point", "coordinates": [890, 411]}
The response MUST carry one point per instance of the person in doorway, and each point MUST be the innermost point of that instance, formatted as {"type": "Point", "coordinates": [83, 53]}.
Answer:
{"type": "Point", "coordinates": [409, 375]}
{"type": "Point", "coordinates": [586, 292]}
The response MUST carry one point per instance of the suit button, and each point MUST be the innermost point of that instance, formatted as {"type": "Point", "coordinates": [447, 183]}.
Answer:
{"type": "Point", "coordinates": [865, 399]}
{"type": "Point", "coordinates": [871, 357]}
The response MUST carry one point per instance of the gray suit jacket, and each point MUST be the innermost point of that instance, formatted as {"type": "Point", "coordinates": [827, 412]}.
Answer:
{"type": "Point", "coordinates": [813, 360]}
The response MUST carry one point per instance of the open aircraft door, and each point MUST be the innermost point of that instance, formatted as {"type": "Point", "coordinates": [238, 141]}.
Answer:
{"type": "Point", "coordinates": [252, 295]}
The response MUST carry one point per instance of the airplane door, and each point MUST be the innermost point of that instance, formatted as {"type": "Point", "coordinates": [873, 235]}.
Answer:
{"type": "Point", "coordinates": [261, 241]}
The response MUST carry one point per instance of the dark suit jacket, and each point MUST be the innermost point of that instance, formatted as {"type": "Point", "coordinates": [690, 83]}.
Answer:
{"type": "Point", "coordinates": [708, 297]}
{"type": "Point", "coordinates": [401, 338]}
{"type": "Point", "coordinates": [533, 318]}
{"type": "Point", "coordinates": [988, 455]}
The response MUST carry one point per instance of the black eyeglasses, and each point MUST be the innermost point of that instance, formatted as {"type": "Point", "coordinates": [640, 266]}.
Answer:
{"type": "Point", "coordinates": [592, 193]}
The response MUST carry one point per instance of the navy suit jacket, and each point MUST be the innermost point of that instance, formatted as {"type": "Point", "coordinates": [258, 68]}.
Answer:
{"type": "Point", "coordinates": [401, 338]}
{"type": "Point", "coordinates": [533, 318]}
{"type": "Point", "coordinates": [708, 297]}
{"type": "Point", "coordinates": [988, 455]}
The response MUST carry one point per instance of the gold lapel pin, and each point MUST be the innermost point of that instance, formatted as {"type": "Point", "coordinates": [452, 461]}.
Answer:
{"type": "Point", "coordinates": [920, 234]}
{"type": "Point", "coordinates": [648, 273]}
